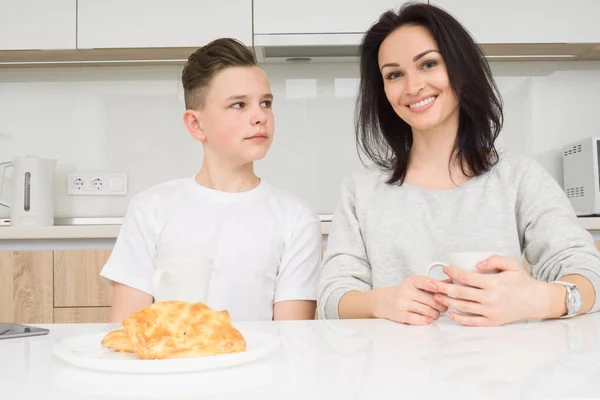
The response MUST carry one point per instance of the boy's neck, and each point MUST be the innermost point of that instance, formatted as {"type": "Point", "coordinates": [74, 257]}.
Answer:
{"type": "Point", "coordinates": [227, 179]}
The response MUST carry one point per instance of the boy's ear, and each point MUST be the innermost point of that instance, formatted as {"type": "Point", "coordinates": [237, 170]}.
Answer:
{"type": "Point", "coordinates": [191, 119]}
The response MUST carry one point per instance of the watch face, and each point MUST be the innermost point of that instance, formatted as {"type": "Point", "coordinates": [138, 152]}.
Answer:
{"type": "Point", "coordinates": [574, 301]}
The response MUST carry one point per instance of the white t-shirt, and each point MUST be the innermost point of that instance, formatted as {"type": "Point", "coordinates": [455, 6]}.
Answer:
{"type": "Point", "coordinates": [265, 244]}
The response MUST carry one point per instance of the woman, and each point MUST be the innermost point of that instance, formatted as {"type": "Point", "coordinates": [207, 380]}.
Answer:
{"type": "Point", "coordinates": [428, 116]}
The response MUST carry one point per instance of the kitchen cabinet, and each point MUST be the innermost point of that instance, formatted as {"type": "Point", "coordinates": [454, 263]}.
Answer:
{"type": "Point", "coordinates": [26, 286]}
{"type": "Point", "coordinates": [54, 286]}
{"type": "Point", "coordinates": [38, 24]}
{"type": "Point", "coordinates": [81, 315]}
{"type": "Point", "coordinates": [88, 32]}
{"type": "Point", "coordinates": [318, 17]}
{"type": "Point", "coordinates": [507, 30]}
{"type": "Point", "coordinates": [532, 21]}
{"type": "Point", "coordinates": [327, 31]}
{"type": "Point", "coordinates": [77, 281]}
{"type": "Point", "coordinates": [117, 24]}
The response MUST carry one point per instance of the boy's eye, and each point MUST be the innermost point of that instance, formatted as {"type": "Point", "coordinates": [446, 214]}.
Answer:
{"type": "Point", "coordinates": [267, 103]}
{"type": "Point", "coordinates": [394, 75]}
{"type": "Point", "coordinates": [238, 105]}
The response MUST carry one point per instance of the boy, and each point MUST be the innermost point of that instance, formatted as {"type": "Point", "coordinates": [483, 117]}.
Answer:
{"type": "Point", "coordinates": [265, 243]}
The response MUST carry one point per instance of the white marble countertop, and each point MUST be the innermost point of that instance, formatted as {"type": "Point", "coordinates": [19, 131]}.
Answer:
{"type": "Point", "coordinates": [111, 230]}
{"type": "Point", "coordinates": [352, 359]}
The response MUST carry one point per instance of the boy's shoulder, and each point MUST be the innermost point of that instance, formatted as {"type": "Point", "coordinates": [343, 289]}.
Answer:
{"type": "Point", "coordinates": [290, 204]}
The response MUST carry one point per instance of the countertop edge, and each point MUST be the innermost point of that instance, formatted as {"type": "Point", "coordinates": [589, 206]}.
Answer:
{"type": "Point", "coordinates": [92, 228]}
{"type": "Point", "coordinates": [87, 228]}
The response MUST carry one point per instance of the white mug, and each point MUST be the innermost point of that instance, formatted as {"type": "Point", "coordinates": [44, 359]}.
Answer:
{"type": "Point", "coordinates": [182, 279]}
{"type": "Point", "coordinates": [467, 261]}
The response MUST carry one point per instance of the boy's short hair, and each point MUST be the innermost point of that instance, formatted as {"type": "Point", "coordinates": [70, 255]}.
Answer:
{"type": "Point", "coordinates": [203, 64]}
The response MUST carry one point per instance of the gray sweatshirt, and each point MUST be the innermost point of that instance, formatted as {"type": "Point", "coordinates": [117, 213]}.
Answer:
{"type": "Point", "coordinates": [381, 233]}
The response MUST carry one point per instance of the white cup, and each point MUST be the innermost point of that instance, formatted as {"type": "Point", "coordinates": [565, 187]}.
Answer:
{"type": "Point", "coordinates": [182, 279]}
{"type": "Point", "coordinates": [467, 261]}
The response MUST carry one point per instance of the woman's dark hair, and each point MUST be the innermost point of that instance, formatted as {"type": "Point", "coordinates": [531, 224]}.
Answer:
{"type": "Point", "coordinates": [385, 138]}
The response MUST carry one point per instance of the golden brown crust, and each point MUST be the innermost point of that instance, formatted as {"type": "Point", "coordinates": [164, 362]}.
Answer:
{"type": "Point", "coordinates": [118, 340]}
{"type": "Point", "coordinates": [176, 329]}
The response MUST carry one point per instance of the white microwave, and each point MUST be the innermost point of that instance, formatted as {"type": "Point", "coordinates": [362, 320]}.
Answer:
{"type": "Point", "coordinates": [581, 176]}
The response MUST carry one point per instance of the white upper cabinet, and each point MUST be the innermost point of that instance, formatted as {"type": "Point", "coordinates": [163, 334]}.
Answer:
{"type": "Point", "coordinates": [318, 16]}
{"type": "Point", "coordinates": [105, 24]}
{"type": "Point", "coordinates": [38, 24]}
{"type": "Point", "coordinates": [527, 21]}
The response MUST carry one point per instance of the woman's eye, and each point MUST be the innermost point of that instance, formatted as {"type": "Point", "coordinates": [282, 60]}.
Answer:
{"type": "Point", "coordinates": [429, 64]}
{"type": "Point", "coordinates": [394, 75]}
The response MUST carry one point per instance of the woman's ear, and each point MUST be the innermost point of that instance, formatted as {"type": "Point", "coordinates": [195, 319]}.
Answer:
{"type": "Point", "coordinates": [191, 119]}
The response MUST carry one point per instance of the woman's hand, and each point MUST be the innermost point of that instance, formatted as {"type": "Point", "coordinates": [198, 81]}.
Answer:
{"type": "Point", "coordinates": [411, 302]}
{"type": "Point", "coordinates": [493, 299]}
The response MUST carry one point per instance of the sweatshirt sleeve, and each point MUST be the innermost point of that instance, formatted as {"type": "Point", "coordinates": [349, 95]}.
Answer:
{"type": "Point", "coordinates": [345, 262]}
{"type": "Point", "coordinates": [554, 242]}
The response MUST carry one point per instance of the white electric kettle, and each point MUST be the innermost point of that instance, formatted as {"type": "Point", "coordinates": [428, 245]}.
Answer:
{"type": "Point", "coordinates": [32, 199]}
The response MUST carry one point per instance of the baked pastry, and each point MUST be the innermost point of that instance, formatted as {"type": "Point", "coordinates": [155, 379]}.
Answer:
{"type": "Point", "coordinates": [177, 329]}
{"type": "Point", "coordinates": [118, 340]}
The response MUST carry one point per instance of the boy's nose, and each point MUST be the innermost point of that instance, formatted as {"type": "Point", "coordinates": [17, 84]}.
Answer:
{"type": "Point", "coordinates": [259, 117]}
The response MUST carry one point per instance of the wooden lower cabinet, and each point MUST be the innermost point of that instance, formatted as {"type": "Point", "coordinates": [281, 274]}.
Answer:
{"type": "Point", "coordinates": [81, 314]}
{"type": "Point", "coordinates": [77, 281]}
{"type": "Point", "coordinates": [26, 286]}
{"type": "Point", "coordinates": [39, 287]}
{"type": "Point", "coordinates": [81, 295]}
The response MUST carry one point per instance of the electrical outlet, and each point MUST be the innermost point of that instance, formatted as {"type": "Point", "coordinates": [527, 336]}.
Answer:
{"type": "Point", "coordinates": [97, 184]}
{"type": "Point", "coordinates": [78, 183]}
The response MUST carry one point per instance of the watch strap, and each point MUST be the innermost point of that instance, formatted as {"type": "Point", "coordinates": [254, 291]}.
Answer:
{"type": "Point", "coordinates": [568, 287]}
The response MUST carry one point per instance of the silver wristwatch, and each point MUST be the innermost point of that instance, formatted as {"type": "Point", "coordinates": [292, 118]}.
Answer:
{"type": "Point", "coordinates": [572, 299]}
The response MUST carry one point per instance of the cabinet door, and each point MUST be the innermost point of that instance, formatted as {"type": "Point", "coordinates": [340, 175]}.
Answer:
{"type": "Point", "coordinates": [26, 287]}
{"type": "Point", "coordinates": [117, 24]}
{"type": "Point", "coordinates": [318, 16]}
{"type": "Point", "coordinates": [77, 280]}
{"type": "Point", "coordinates": [531, 21]}
{"type": "Point", "coordinates": [81, 315]}
{"type": "Point", "coordinates": [38, 24]}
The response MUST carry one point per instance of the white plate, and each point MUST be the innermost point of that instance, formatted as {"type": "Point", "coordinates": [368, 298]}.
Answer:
{"type": "Point", "coordinates": [86, 351]}
{"type": "Point", "coordinates": [255, 376]}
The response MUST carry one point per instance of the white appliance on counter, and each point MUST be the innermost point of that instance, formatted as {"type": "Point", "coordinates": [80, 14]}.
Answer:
{"type": "Point", "coordinates": [32, 198]}
{"type": "Point", "coordinates": [581, 176]}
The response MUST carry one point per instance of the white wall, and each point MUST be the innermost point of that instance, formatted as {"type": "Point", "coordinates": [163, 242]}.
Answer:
{"type": "Point", "coordinates": [549, 105]}
{"type": "Point", "coordinates": [128, 119]}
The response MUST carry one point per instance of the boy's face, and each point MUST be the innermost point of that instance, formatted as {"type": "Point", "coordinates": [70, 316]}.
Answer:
{"type": "Point", "coordinates": [236, 122]}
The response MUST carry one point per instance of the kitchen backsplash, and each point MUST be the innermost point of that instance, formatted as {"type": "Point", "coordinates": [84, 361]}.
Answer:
{"type": "Point", "coordinates": [129, 119]}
